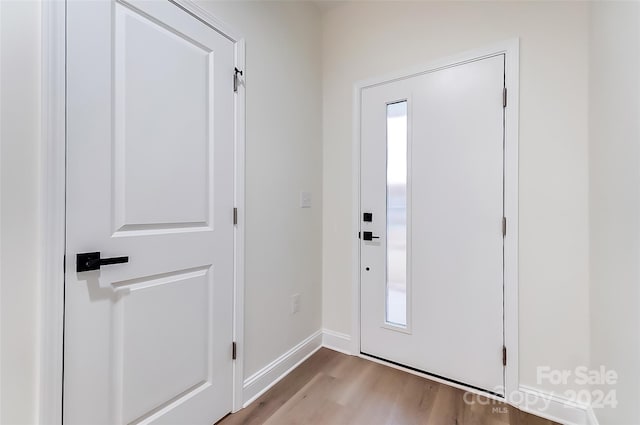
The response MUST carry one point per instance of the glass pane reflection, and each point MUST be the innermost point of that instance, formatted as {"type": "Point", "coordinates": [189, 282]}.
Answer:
{"type": "Point", "coordinates": [396, 311]}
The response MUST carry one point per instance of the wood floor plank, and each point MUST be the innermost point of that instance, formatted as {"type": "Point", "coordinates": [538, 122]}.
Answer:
{"type": "Point", "coordinates": [415, 401]}
{"type": "Point", "coordinates": [266, 405]}
{"type": "Point", "coordinates": [332, 388]}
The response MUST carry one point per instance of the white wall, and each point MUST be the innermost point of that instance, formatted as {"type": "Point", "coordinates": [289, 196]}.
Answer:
{"type": "Point", "coordinates": [283, 157]}
{"type": "Point", "coordinates": [368, 39]}
{"type": "Point", "coordinates": [614, 118]}
{"type": "Point", "coordinates": [19, 177]}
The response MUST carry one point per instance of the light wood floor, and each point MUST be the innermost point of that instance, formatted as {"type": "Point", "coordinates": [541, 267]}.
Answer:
{"type": "Point", "coordinates": [331, 388]}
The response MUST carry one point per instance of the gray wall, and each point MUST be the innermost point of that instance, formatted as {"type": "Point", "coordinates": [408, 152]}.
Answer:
{"type": "Point", "coordinates": [19, 213]}
{"type": "Point", "coordinates": [283, 158]}
{"type": "Point", "coordinates": [614, 167]}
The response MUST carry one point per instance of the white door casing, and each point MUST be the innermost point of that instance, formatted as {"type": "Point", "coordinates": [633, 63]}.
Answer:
{"type": "Point", "coordinates": [454, 215]}
{"type": "Point", "coordinates": [150, 175]}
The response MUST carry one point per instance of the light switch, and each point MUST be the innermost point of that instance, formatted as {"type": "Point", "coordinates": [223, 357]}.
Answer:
{"type": "Point", "coordinates": [305, 199]}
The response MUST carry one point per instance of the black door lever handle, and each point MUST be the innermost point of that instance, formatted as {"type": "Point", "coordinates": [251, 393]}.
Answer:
{"type": "Point", "coordinates": [368, 236]}
{"type": "Point", "coordinates": [88, 261]}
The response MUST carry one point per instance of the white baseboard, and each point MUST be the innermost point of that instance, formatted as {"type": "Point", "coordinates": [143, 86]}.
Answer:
{"type": "Point", "coordinates": [336, 341]}
{"type": "Point", "coordinates": [261, 381]}
{"type": "Point", "coordinates": [555, 408]}
{"type": "Point", "coordinates": [591, 417]}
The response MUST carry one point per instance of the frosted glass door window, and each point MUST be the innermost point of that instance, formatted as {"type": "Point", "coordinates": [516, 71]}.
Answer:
{"type": "Point", "coordinates": [396, 296]}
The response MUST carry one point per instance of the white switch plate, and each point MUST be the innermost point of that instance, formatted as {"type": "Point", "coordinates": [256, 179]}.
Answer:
{"type": "Point", "coordinates": [305, 199]}
{"type": "Point", "coordinates": [295, 303]}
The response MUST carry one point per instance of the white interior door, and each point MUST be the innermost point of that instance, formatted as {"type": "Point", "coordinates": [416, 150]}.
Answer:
{"type": "Point", "coordinates": [432, 188]}
{"type": "Point", "coordinates": [150, 159]}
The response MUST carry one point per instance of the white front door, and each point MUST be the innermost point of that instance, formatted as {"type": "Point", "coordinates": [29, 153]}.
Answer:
{"type": "Point", "coordinates": [150, 160]}
{"type": "Point", "coordinates": [432, 209]}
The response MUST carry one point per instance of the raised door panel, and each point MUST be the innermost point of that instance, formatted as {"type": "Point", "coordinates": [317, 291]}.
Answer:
{"type": "Point", "coordinates": [161, 131]}
{"type": "Point", "coordinates": [161, 348]}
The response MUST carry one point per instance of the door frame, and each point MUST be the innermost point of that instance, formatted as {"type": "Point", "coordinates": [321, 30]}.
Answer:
{"type": "Point", "coordinates": [510, 48]}
{"type": "Point", "coordinates": [53, 204]}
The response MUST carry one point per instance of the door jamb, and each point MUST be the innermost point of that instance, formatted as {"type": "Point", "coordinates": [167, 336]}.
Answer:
{"type": "Point", "coordinates": [510, 48]}
{"type": "Point", "coordinates": [52, 208]}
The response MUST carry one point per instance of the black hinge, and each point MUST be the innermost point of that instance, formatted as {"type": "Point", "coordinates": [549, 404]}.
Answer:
{"type": "Point", "coordinates": [235, 216]}
{"type": "Point", "coordinates": [235, 79]}
{"type": "Point", "coordinates": [504, 97]}
{"type": "Point", "coordinates": [233, 350]}
{"type": "Point", "coordinates": [504, 226]}
{"type": "Point", "coordinates": [504, 355]}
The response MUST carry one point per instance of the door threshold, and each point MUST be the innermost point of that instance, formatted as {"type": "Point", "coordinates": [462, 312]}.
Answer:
{"type": "Point", "coordinates": [427, 375]}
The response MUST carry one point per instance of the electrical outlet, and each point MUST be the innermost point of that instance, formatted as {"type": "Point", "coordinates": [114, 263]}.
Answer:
{"type": "Point", "coordinates": [295, 303]}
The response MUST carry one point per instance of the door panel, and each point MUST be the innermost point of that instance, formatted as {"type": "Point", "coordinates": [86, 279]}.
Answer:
{"type": "Point", "coordinates": [173, 119]}
{"type": "Point", "coordinates": [454, 209]}
{"type": "Point", "coordinates": [179, 344]}
{"type": "Point", "coordinates": [150, 159]}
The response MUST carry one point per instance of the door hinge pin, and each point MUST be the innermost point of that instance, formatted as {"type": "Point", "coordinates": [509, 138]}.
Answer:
{"type": "Point", "coordinates": [236, 80]}
{"type": "Point", "coordinates": [504, 97]}
{"type": "Point", "coordinates": [504, 355]}
{"type": "Point", "coordinates": [234, 350]}
{"type": "Point", "coordinates": [235, 216]}
{"type": "Point", "coordinates": [504, 226]}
